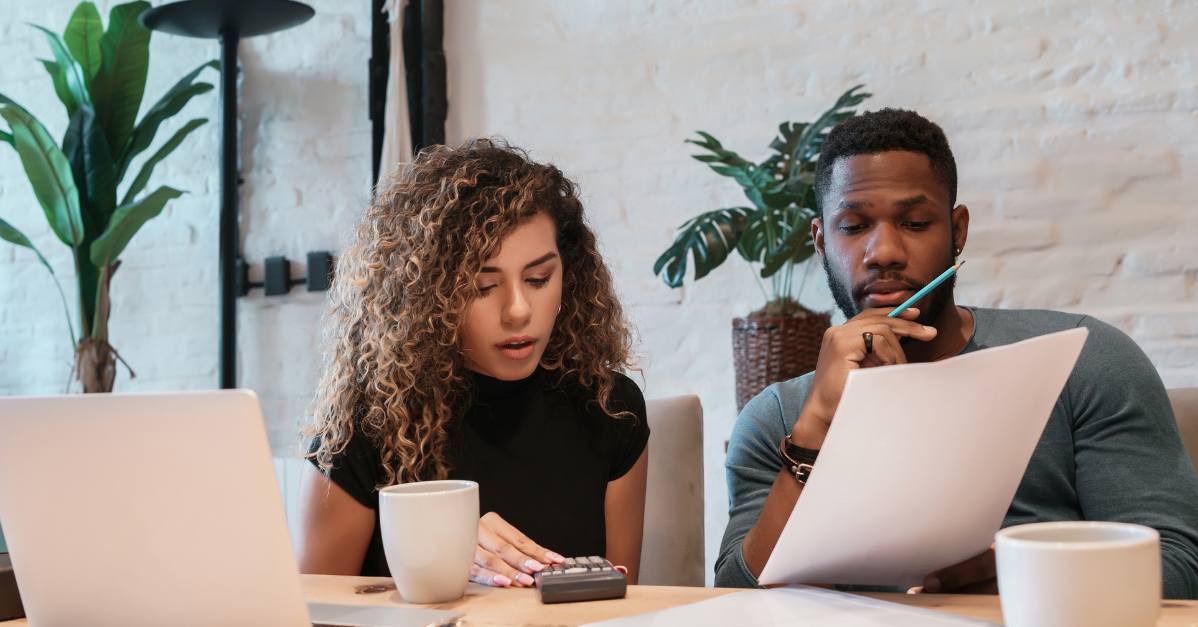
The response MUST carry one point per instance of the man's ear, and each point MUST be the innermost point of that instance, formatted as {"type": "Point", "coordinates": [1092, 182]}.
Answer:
{"type": "Point", "coordinates": [960, 221]}
{"type": "Point", "coordinates": [817, 235]}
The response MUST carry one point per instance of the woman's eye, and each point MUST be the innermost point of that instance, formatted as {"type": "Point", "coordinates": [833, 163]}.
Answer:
{"type": "Point", "coordinates": [538, 282]}
{"type": "Point", "coordinates": [483, 290]}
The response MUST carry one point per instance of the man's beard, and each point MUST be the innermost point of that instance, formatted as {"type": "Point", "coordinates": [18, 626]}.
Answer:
{"type": "Point", "coordinates": [940, 296]}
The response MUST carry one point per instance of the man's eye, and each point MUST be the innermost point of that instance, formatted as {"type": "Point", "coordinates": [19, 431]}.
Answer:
{"type": "Point", "coordinates": [918, 226]}
{"type": "Point", "coordinates": [851, 228]}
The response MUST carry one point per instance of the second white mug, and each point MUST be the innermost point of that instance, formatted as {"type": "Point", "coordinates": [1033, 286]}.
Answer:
{"type": "Point", "coordinates": [1079, 574]}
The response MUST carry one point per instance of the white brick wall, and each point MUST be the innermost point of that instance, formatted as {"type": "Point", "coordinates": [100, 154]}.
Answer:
{"type": "Point", "coordinates": [1074, 125]}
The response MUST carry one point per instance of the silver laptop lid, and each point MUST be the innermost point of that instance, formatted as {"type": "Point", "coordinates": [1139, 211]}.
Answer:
{"type": "Point", "coordinates": [145, 509]}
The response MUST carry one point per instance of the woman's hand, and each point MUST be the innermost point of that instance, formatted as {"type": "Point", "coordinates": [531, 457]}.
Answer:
{"type": "Point", "coordinates": [505, 557]}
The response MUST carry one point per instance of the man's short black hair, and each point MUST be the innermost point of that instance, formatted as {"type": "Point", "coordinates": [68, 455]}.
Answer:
{"type": "Point", "coordinates": [883, 131]}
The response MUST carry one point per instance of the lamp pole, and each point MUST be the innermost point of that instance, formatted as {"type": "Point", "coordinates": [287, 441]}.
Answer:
{"type": "Point", "coordinates": [228, 21]}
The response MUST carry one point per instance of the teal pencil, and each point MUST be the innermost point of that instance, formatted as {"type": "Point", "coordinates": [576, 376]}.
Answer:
{"type": "Point", "coordinates": [926, 289]}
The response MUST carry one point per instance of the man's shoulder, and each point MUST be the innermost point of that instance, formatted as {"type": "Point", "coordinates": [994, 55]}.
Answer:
{"type": "Point", "coordinates": [1110, 359]}
{"type": "Point", "coordinates": [1012, 325]}
{"type": "Point", "coordinates": [776, 407]}
{"type": "Point", "coordinates": [1003, 326]}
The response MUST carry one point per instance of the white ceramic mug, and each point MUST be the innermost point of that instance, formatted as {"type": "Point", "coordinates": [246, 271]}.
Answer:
{"type": "Point", "coordinates": [430, 529]}
{"type": "Point", "coordinates": [1079, 574]}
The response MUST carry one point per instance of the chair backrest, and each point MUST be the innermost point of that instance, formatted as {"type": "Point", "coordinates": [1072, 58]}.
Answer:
{"type": "Point", "coordinates": [672, 550]}
{"type": "Point", "coordinates": [1185, 408]}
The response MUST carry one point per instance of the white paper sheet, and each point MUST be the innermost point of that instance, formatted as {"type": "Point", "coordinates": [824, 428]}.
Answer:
{"type": "Point", "coordinates": [921, 463]}
{"type": "Point", "coordinates": [793, 606]}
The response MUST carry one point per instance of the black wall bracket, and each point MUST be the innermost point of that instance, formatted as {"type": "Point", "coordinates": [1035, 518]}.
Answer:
{"type": "Point", "coordinates": [276, 275]}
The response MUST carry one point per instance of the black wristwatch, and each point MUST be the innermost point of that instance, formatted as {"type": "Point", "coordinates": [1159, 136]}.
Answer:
{"type": "Point", "coordinates": [799, 460]}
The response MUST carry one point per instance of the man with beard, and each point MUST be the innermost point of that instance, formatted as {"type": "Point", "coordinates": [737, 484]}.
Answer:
{"type": "Point", "coordinates": [886, 186]}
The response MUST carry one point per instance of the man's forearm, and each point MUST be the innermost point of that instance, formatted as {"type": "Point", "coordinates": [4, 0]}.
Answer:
{"type": "Point", "coordinates": [784, 493]}
{"type": "Point", "coordinates": [759, 542]}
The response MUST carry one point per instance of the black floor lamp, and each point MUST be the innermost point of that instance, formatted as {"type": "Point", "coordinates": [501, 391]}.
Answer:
{"type": "Point", "coordinates": [229, 21]}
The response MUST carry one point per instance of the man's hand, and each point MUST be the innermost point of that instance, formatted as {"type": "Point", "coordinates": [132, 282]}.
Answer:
{"type": "Point", "coordinates": [505, 557]}
{"type": "Point", "coordinates": [844, 350]}
{"type": "Point", "coordinates": [976, 575]}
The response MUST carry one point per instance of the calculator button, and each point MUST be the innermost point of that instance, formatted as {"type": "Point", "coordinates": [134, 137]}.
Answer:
{"type": "Point", "coordinates": [576, 569]}
{"type": "Point", "coordinates": [569, 563]}
{"type": "Point", "coordinates": [596, 559]}
{"type": "Point", "coordinates": [605, 568]}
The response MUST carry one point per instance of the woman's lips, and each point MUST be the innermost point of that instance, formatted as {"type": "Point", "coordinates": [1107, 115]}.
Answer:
{"type": "Point", "coordinates": [517, 350]}
{"type": "Point", "coordinates": [887, 299]}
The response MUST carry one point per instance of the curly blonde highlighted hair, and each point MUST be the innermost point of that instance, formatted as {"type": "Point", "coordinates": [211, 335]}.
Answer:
{"type": "Point", "coordinates": [393, 368]}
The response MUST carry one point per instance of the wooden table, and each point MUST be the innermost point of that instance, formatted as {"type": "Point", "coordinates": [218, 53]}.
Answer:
{"type": "Point", "coordinates": [495, 607]}
{"type": "Point", "coordinates": [522, 607]}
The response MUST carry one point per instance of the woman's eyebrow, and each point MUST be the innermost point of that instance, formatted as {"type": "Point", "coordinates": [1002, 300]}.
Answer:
{"type": "Point", "coordinates": [535, 262]}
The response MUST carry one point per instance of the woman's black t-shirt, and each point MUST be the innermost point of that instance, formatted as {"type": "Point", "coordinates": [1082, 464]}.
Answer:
{"type": "Point", "coordinates": [541, 451]}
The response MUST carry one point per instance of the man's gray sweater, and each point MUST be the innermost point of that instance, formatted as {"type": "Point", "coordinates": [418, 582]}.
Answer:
{"type": "Point", "coordinates": [1111, 449]}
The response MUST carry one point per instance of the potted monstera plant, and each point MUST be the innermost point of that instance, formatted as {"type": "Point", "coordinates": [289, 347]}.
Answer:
{"type": "Point", "coordinates": [780, 340]}
{"type": "Point", "coordinates": [80, 183]}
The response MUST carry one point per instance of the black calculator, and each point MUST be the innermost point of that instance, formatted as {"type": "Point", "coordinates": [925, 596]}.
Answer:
{"type": "Point", "coordinates": [581, 579]}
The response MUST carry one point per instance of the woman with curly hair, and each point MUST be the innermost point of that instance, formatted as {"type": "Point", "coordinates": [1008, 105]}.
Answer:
{"type": "Point", "coordinates": [474, 334]}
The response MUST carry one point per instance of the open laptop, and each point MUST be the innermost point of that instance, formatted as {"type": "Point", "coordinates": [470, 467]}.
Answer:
{"type": "Point", "coordinates": [154, 509]}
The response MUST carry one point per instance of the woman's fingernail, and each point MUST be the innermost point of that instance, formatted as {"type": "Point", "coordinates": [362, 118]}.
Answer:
{"type": "Point", "coordinates": [554, 557]}
{"type": "Point", "coordinates": [534, 566]}
{"type": "Point", "coordinates": [501, 581]}
{"type": "Point", "coordinates": [524, 579]}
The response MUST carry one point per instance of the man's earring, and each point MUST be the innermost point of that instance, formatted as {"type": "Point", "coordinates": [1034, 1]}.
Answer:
{"type": "Point", "coordinates": [956, 252]}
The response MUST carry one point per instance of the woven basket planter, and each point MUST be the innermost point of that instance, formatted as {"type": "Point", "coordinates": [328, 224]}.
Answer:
{"type": "Point", "coordinates": [769, 349]}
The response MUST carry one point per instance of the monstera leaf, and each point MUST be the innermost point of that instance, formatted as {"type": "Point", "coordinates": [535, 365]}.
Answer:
{"type": "Point", "coordinates": [775, 232]}
{"type": "Point", "coordinates": [707, 239]}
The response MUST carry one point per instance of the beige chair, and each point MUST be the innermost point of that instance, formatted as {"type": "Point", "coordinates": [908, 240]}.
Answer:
{"type": "Point", "coordinates": [1185, 408]}
{"type": "Point", "coordinates": [672, 550]}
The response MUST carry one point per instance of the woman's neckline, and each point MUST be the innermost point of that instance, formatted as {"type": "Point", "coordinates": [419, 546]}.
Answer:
{"type": "Point", "coordinates": [489, 388]}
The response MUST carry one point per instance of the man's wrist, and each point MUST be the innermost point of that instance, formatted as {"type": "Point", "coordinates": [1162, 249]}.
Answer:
{"type": "Point", "coordinates": [807, 434]}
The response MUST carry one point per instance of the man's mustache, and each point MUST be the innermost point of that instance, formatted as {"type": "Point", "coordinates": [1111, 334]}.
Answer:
{"type": "Point", "coordinates": [865, 287]}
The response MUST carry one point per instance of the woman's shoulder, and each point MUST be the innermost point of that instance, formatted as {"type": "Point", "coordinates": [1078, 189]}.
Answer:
{"type": "Point", "coordinates": [626, 392]}
{"type": "Point", "coordinates": [624, 396]}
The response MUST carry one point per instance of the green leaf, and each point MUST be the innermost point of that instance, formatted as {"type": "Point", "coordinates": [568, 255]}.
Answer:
{"type": "Point", "coordinates": [795, 247]}
{"type": "Point", "coordinates": [10, 233]}
{"type": "Point", "coordinates": [170, 104]}
{"type": "Point", "coordinates": [6, 138]}
{"type": "Point", "coordinates": [707, 239]}
{"type": "Point", "coordinates": [125, 222]}
{"type": "Point", "coordinates": [120, 84]}
{"type": "Point", "coordinates": [60, 86]}
{"type": "Point", "coordinates": [719, 153]}
{"type": "Point", "coordinates": [812, 139]}
{"type": "Point", "coordinates": [147, 168]}
{"type": "Point", "coordinates": [83, 38]}
{"type": "Point", "coordinates": [72, 75]}
{"type": "Point", "coordinates": [86, 147]}
{"type": "Point", "coordinates": [48, 171]}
